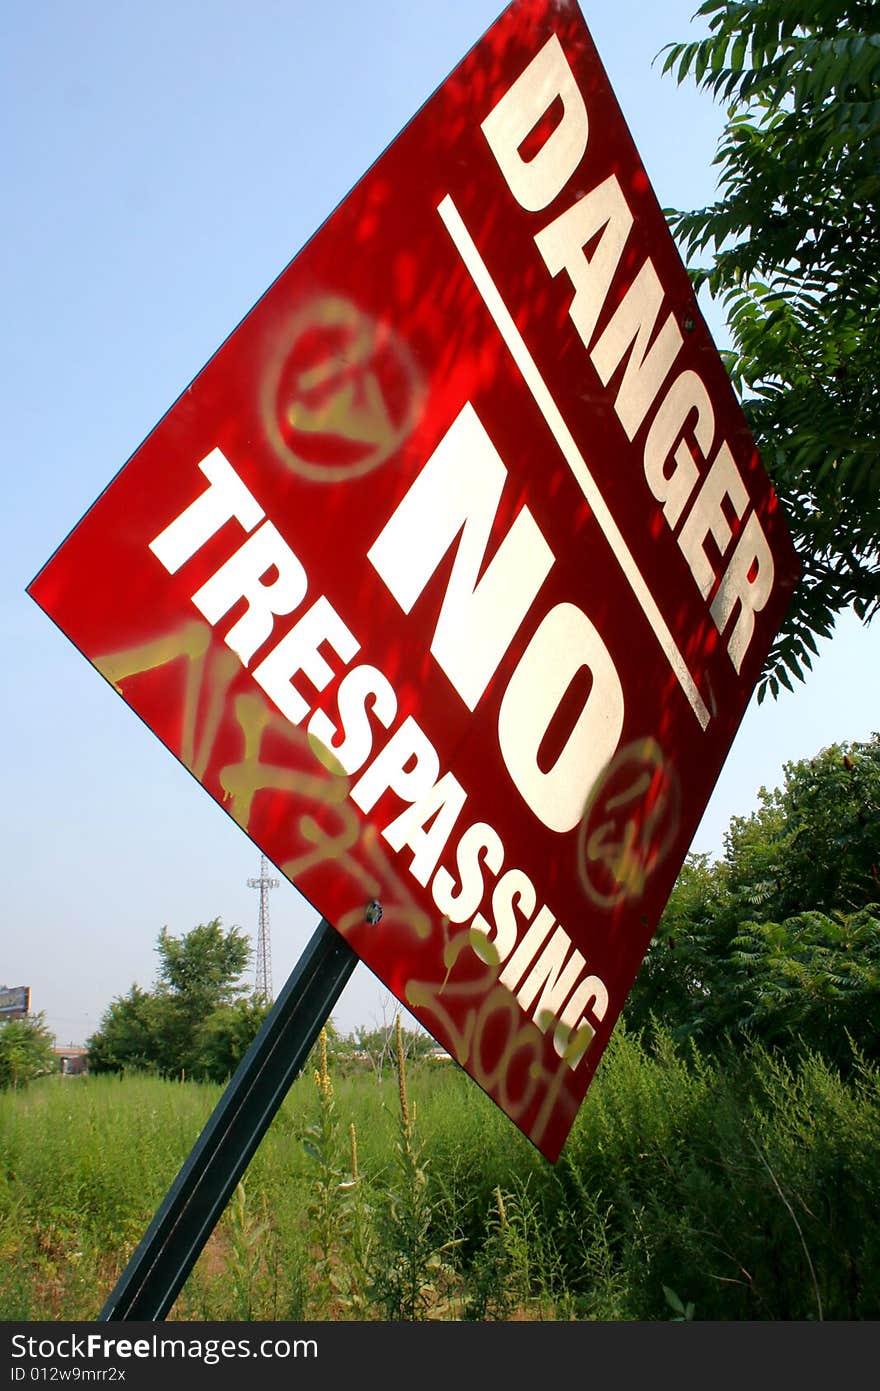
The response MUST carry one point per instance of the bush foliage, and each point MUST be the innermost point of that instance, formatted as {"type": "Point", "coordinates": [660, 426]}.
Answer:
{"type": "Point", "coordinates": [742, 1186]}
{"type": "Point", "coordinates": [721, 1167]}
{"type": "Point", "coordinates": [779, 941]}
{"type": "Point", "coordinates": [790, 249]}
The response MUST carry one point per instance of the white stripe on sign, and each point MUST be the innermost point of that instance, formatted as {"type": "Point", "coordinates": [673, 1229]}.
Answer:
{"type": "Point", "coordinates": [540, 391]}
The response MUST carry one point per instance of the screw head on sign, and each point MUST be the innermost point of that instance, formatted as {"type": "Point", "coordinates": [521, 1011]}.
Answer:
{"type": "Point", "coordinates": [373, 911]}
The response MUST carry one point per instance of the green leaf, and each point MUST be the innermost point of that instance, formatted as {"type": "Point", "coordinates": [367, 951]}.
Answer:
{"type": "Point", "coordinates": [790, 244]}
{"type": "Point", "coordinates": [673, 1300]}
{"type": "Point", "coordinates": [738, 53]}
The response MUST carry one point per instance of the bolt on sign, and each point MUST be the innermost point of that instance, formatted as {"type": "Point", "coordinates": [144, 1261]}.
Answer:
{"type": "Point", "coordinates": [451, 574]}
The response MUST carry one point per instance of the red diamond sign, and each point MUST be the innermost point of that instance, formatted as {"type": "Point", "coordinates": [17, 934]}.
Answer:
{"type": "Point", "coordinates": [451, 574]}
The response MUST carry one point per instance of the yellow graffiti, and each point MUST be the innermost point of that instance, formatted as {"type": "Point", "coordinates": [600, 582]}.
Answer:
{"type": "Point", "coordinates": [473, 1035]}
{"type": "Point", "coordinates": [340, 392]}
{"type": "Point", "coordinates": [242, 781]}
{"type": "Point", "coordinates": [205, 669]}
{"type": "Point", "coordinates": [625, 834]}
{"type": "Point", "coordinates": [224, 669]}
{"type": "Point", "coordinates": [322, 782]}
{"type": "Point", "coordinates": [190, 644]}
{"type": "Point", "coordinates": [400, 909]}
{"type": "Point", "coordinates": [480, 1019]}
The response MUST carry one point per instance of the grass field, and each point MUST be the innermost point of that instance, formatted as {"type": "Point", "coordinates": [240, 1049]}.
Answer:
{"type": "Point", "coordinates": [685, 1189]}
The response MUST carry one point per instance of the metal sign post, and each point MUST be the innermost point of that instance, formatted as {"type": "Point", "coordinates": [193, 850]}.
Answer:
{"type": "Point", "coordinates": [174, 1240]}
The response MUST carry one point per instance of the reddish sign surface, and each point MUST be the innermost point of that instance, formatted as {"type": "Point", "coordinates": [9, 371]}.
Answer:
{"type": "Point", "coordinates": [450, 576]}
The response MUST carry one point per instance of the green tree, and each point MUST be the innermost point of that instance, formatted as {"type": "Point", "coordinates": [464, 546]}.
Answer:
{"type": "Point", "coordinates": [792, 243]}
{"type": "Point", "coordinates": [198, 975]}
{"type": "Point", "coordinates": [225, 1036]}
{"type": "Point", "coordinates": [811, 981]}
{"type": "Point", "coordinates": [780, 939]}
{"type": "Point", "coordinates": [25, 1051]}
{"type": "Point", "coordinates": [814, 844]}
{"type": "Point", "coordinates": [195, 1021]}
{"type": "Point", "coordinates": [680, 964]}
{"type": "Point", "coordinates": [129, 1034]}
{"type": "Point", "coordinates": [380, 1045]}
{"type": "Point", "coordinates": [202, 967]}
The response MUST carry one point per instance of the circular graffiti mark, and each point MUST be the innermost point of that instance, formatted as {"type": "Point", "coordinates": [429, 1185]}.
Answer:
{"type": "Point", "coordinates": [629, 824]}
{"type": "Point", "coordinates": [340, 393]}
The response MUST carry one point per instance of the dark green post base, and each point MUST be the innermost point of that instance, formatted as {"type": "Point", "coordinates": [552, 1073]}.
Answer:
{"type": "Point", "coordinates": [174, 1240]}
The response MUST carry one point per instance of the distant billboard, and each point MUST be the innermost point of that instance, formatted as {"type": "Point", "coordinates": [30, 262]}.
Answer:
{"type": "Point", "coordinates": [15, 1001]}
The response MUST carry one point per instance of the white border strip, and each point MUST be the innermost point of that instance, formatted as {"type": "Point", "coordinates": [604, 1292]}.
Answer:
{"type": "Point", "coordinates": [535, 382]}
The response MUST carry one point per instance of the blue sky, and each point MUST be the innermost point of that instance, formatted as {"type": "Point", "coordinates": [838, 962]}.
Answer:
{"type": "Point", "coordinates": [163, 163]}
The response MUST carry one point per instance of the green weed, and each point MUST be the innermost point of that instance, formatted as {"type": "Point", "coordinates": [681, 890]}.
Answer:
{"type": "Point", "coordinates": [740, 1185]}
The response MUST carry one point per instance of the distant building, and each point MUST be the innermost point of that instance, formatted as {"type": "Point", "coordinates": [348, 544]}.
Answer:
{"type": "Point", "coordinates": [72, 1060]}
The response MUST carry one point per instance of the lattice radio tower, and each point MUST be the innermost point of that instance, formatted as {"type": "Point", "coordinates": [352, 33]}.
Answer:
{"type": "Point", "coordinates": [264, 949]}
